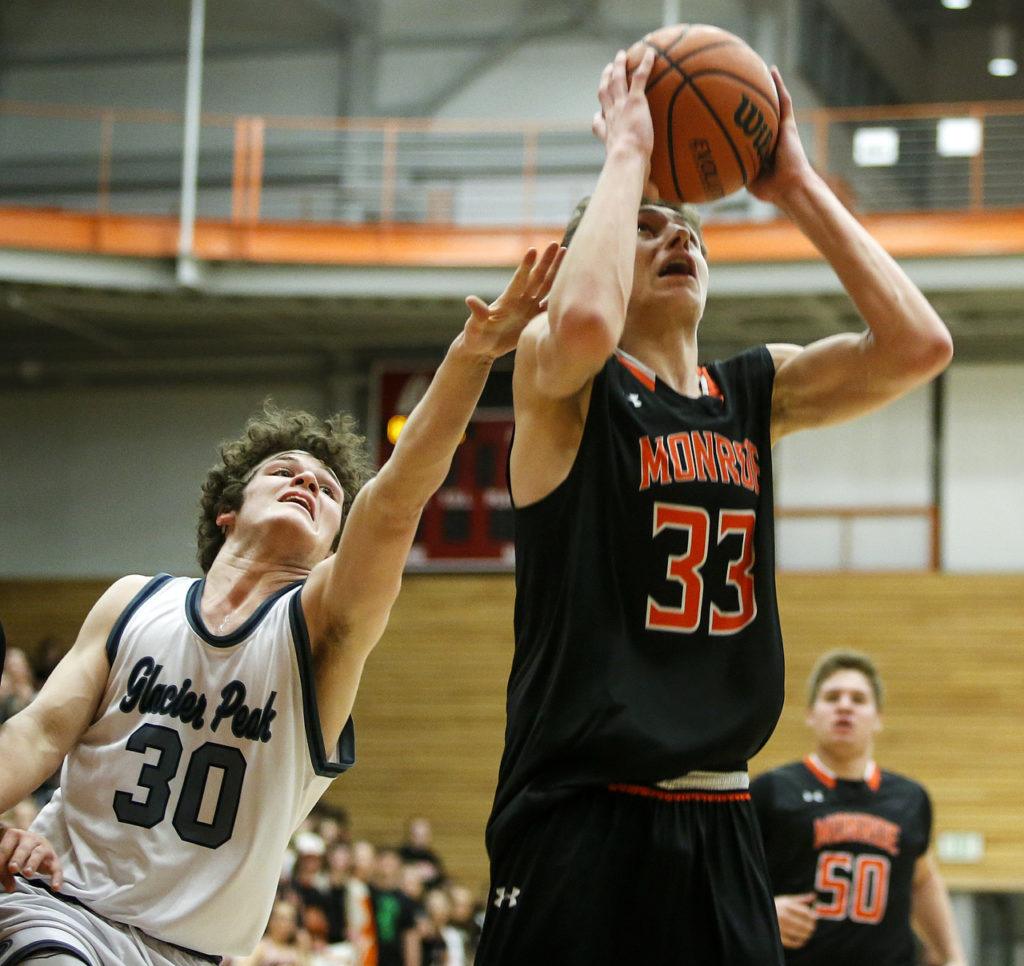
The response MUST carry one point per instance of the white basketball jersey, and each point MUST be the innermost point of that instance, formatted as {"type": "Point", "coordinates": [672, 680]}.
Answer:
{"type": "Point", "coordinates": [176, 807]}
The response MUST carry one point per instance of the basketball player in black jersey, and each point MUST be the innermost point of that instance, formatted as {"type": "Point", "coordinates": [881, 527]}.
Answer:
{"type": "Point", "coordinates": [847, 843]}
{"type": "Point", "coordinates": [648, 657]}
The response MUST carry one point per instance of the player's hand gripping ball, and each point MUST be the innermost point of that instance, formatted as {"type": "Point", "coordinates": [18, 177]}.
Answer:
{"type": "Point", "coordinates": [715, 111]}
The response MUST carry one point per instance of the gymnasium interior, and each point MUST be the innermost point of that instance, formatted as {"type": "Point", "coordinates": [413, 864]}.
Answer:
{"type": "Point", "coordinates": [207, 204]}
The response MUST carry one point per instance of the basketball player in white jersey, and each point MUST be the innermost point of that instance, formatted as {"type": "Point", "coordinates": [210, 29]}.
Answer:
{"type": "Point", "coordinates": [202, 719]}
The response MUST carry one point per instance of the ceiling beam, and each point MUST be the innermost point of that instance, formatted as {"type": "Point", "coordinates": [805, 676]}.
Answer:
{"type": "Point", "coordinates": [339, 9]}
{"type": "Point", "coordinates": [76, 59]}
{"type": "Point", "coordinates": [71, 324]}
{"type": "Point", "coordinates": [901, 60]}
{"type": "Point", "coordinates": [579, 13]}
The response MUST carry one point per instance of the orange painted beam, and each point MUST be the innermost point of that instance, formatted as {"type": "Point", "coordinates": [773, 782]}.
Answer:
{"type": "Point", "coordinates": [397, 245]}
{"type": "Point", "coordinates": [924, 234]}
{"type": "Point", "coordinates": [905, 235]}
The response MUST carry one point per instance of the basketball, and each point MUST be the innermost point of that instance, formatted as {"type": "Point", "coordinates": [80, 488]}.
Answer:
{"type": "Point", "coordinates": [715, 111]}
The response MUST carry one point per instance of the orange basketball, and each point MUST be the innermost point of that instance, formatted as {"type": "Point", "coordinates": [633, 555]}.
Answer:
{"type": "Point", "coordinates": [715, 111]}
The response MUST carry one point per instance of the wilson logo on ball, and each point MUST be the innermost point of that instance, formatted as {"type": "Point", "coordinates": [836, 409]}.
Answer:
{"type": "Point", "coordinates": [708, 170]}
{"type": "Point", "coordinates": [714, 108]}
{"type": "Point", "coordinates": [752, 123]}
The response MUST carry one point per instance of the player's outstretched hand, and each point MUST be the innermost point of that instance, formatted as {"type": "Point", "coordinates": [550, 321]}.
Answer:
{"type": "Point", "coordinates": [27, 854]}
{"type": "Point", "coordinates": [624, 119]}
{"type": "Point", "coordinates": [492, 330]}
{"type": "Point", "coordinates": [797, 918]}
{"type": "Point", "coordinates": [789, 167]}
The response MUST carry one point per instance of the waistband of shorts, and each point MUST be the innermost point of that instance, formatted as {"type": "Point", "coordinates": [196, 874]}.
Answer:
{"type": "Point", "coordinates": [694, 786]}
{"type": "Point", "coordinates": [707, 781]}
{"type": "Point", "coordinates": [71, 900]}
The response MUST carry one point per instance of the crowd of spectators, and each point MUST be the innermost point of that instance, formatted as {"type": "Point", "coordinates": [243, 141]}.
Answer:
{"type": "Point", "coordinates": [17, 685]}
{"type": "Point", "coordinates": [345, 902]}
{"type": "Point", "coordinates": [340, 902]}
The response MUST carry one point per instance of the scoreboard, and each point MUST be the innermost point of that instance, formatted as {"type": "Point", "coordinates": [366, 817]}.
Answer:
{"type": "Point", "coordinates": [467, 525]}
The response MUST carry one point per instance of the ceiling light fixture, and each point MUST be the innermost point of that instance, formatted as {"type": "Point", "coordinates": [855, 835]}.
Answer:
{"type": "Point", "coordinates": [956, 4]}
{"type": "Point", "coordinates": [1004, 56]}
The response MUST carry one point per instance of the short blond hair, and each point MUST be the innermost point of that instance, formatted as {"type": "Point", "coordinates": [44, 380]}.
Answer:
{"type": "Point", "coordinates": [841, 660]}
{"type": "Point", "coordinates": [689, 214]}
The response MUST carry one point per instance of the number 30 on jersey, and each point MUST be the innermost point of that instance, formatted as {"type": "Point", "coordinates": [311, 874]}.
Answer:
{"type": "Point", "coordinates": [685, 570]}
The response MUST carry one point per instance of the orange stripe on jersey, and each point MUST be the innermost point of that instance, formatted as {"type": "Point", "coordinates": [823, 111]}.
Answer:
{"type": "Point", "coordinates": [824, 777]}
{"type": "Point", "coordinates": [713, 389]}
{"type": "Point", "coordinates": [874, 777]}
{"type": "Point", "coordinates": [638, 373]}
{"type": "Point", "coordinates": [644, 791]}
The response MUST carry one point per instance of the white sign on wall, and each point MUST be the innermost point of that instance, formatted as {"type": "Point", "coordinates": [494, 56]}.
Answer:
{"type": "Point", "coordinates": [876, 147]}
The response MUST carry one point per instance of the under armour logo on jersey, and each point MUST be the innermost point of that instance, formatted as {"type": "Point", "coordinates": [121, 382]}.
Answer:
{"type": "Point", "coordinates": [503, 894]}
{"type": "Point", "coordinates": [634, 399]}
{"type": "Point", "coordinates": [815, 796]}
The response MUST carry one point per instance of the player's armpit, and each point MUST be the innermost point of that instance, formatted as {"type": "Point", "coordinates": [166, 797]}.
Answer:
{"type": "Point", "coordinates": [840, 378]}
{"type": "Point", "coordinates": [548, 428]}
{"type": "Point", "coordinates": [905, 343]}
{"type": "Point", "coordinates": [39, 737]}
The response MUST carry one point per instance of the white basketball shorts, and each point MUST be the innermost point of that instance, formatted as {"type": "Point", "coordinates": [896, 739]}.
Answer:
{"type": "Point", "coordinates": [32, 920]}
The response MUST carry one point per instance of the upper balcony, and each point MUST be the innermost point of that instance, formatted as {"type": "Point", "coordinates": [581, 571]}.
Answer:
{"type": "Point", "coordinates": [359, 214]}
{"type": "Point", "coordinates": [929, 180]}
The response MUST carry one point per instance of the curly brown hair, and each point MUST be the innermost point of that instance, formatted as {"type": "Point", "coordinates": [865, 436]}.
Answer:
{"type": "Point", "coordinates": [333, 441]}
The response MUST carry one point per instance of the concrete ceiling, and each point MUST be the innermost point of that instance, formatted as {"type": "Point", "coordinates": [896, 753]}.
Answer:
{"type": "Point", "coordinates": [92, 326]}
{"type": "Point", "coordinates": [103, 333]}
{"type": "Point", "coordinates": [929, 17]}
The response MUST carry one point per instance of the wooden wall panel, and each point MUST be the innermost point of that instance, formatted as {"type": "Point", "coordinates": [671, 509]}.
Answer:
{"type": "Point", "coordinates": [430, 718]}
{"type": "Point", "coordinates": [430, 713]}
{"type": "Point", "coordinates": [950, 649]}
{"type": "Point", "coordinates": [32, 610]}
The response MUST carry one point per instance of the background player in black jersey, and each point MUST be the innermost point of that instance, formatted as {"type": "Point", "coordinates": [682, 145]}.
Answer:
{"type": "Point", "coordinates": [648, 657]}
{"type": "Point", "coordinates": [847, 842]}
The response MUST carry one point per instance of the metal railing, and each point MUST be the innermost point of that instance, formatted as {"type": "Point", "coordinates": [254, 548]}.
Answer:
{"type": "Point", "coordinates": [848, 537]}
{"type": "Point", "coordinates": [358, 171]}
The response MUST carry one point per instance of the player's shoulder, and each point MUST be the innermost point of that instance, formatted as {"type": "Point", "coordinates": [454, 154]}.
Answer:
{"type": "Point", "coordinates": [755, 365]}
{"type": "Point", "coordinates": [782, 352]}
{"type": "Point", "coordinates": [791, 775]}
{"type": "Point", "coordinates": [119, 597]}
{"type": "Point", "coordinates": [120, 594]}
{"type": "Point", "coordinates": [131, 584]}
{"type": "Point", "coordinates": [900, 784]}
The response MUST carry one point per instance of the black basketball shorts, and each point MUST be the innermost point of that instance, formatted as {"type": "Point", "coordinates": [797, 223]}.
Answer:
{"type": "Point", "coordinates": [636, 876]}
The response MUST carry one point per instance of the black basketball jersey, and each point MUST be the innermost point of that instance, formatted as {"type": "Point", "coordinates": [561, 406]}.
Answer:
{"type": "Point", "coordinates": [647, 641]}
{"type": "Point", "coordinates": [855, 843]}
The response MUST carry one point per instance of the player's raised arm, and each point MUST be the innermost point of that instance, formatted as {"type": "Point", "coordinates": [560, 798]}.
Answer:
{"type": "Point", "coordinates": [588, 301]}
{"type": "Point", "coordinates": [348, 597]}
{"type": "Point", "coordinates": [34, 742]}
{"type": "Point", "coordinates": [905, 343]}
